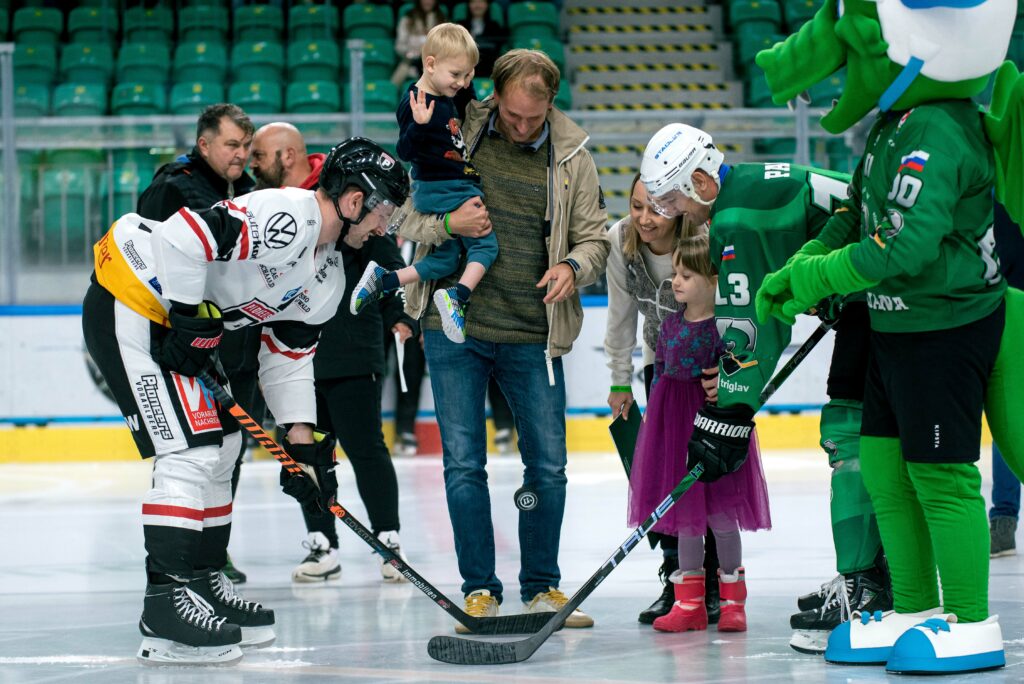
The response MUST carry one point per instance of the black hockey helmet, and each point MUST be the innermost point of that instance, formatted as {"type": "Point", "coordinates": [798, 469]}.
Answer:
{"type": "Point", "coordinates": [364, 164]}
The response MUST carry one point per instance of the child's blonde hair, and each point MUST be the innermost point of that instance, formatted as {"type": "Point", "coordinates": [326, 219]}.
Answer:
{"type": "Point", "coordinates": [694, 254]}
{"type": "Point", "coordinates": [448, 40]}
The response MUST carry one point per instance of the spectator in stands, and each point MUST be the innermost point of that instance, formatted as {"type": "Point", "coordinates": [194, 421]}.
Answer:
{"type": "Point", "coordinates": [549, 216]}
{"type": "Point", "coordinates": [213, 171]}
{"type": "Point", "coordinates": [348, 367]}
{"type": "Point", "coordinates": [410, 36]}
{"type": "Point", "coordinates": [488, 34]}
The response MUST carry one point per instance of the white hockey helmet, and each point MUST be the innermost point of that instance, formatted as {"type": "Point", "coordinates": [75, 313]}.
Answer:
{"type": "Point", "coordinates": [671, 157]}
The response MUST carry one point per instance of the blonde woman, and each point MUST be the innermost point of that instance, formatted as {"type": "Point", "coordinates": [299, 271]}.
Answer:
{"type": "Point", "coordinates": [640, 283]}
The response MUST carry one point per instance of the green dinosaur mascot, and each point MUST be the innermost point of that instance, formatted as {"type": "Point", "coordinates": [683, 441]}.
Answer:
{"type": "Point", "coordinates": [916, 234]}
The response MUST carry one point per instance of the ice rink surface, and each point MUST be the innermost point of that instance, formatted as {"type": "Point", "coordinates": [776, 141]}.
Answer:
{"type": "Point", "coordinates": [71, 564]}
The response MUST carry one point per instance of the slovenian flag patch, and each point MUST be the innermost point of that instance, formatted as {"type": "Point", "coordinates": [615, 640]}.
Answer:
{"type": "Point", "coordinates": [914, 161]}
{"type": "Point", "coordinates": [728, 253]}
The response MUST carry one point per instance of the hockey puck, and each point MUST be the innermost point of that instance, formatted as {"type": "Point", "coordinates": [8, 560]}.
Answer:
{"type": "Point", "coordinates": [525, 499]}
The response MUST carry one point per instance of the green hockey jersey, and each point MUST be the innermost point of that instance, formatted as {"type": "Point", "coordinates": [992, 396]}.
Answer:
{"type": "Point", "coordinates": [763, 214]}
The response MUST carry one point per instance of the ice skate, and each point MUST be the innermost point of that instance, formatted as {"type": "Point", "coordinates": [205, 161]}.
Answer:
{"type": "Point", "coordinates": [179, 628]}
{"type": "Point", "coordinates": [389, 572]}
{"type": "Point", "coordinates": [688, 612]}
{"type": "Point", "coordinates": [256, 622]}
{"type": "Point", "coordinates": [320, 564]}
{"type": "Point", "coordinates": [846, 597]}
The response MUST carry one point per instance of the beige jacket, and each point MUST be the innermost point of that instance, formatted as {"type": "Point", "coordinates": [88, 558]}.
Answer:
{"type": "Point", "coordinates": [575, 209]}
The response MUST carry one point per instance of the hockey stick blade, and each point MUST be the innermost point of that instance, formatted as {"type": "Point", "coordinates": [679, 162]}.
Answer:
{"type": "Point", "coordinates": [505, 624]}
{"type": "Point", "coordinates": [458, 651]}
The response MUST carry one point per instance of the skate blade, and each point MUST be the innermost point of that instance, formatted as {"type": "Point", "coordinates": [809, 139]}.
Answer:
{"type": "Point", "coordinates": [164, 652]}
{"type": "Point", "coordinates": [809, 642]}
{"type": "Point", "coordinates": [257, 637]}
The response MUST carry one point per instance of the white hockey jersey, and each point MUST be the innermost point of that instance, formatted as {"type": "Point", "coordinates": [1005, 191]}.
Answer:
{"type": "Point", "coordinates": [256, 258]}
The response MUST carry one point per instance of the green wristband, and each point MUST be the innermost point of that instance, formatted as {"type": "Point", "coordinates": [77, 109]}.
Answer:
{"type": "Point", "coordinates": [622, 388]}
{"type": "Point", "coordinates": [447, 229]}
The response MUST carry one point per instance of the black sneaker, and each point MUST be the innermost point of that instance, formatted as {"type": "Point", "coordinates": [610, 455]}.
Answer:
{"type": "Point", "coordinates": [232, 573]}
{"type": "Point", "coordinates": [663, 604]}
{"type": "Point", "coordinates": [847, 596]}
{"type": "Point", "coordinates": [257, 622]}
{"type": "Point", "coordinates": [179, 627]}
{"type": "Point", "coordinates": [1003, 533]}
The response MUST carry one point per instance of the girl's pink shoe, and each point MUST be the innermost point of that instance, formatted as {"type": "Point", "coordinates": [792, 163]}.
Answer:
{"type": "Point", "coordinates": [688, 611]}
{"type": "Point", "coordinates": [734, 594]}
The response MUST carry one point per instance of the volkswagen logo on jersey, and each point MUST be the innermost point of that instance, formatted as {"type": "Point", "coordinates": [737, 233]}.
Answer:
{"type": "Point", "coordinates": [280, 230]}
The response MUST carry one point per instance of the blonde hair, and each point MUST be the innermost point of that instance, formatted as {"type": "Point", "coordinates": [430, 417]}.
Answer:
{"type": "Point", "coordinates": [694, 254]}
{"type": "Point", "coordinates": [448, 40]}
{"type": "Point", "coordinates": [531, 70]}
{"type": "Point", "coordinates": [631, 243]}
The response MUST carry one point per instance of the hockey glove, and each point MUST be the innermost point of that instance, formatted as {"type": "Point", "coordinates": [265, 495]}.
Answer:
{"type": "Point", "coordinates": [190, 343]}
{"type": "Point", "coordinates": [806, 280]}
{"type": "Point", "coordinates": [316, 489]}
{"type": "Point", "coordinates": [720, 439]}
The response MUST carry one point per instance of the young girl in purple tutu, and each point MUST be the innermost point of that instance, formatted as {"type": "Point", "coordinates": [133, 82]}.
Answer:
{"type": "Point", "coordinates": [688, 342]}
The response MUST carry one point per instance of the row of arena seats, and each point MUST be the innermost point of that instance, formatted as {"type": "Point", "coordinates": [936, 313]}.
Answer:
{"type": "Point", "coordinates": [307, 60]}
{"type": "Point", "coordinates": [94, 25]}
{"type": "Point", "coordinates": [136, 98]}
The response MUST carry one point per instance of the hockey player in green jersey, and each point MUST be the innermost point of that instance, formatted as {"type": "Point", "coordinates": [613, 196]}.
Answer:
{"type": "Point", "coordinates": [760, 215]}
{"type": "Point", "coordinates": [917, 236]}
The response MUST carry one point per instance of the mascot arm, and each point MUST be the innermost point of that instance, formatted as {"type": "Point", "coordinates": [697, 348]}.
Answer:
{"type": "Point", "coordinates": [1004, 124]}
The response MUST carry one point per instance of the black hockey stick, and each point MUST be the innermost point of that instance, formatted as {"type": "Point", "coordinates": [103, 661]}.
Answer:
{"type": "Point", "coordinates": [459, 651]}
{"type": "Point", "coordinates": [506, 624]}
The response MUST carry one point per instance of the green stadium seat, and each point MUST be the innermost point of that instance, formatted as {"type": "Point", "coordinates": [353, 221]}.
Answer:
{"type": "Point", "coordinates": [143, 63]}
{"type": "Point", "coordinates": [68, 201]}
{"type": "Point", "coordinates": [138, 99]}
{"type": "Point", "coordinates": [80, 99]}
{"type": "Point", "coordinates": [126, 183]}
{"type": "Point", "coordinates": [148, 25]}
{"type": "Point", "coordinates": [258, 22]}
{"type": "Point", "coordinates": [552, 47]}
{"type": "Point", "coordinates": [203, 23]}
{"type": "Point", "coordinates": [461, 11]}
{"type": "Point", "coordinates": [484, 88]}
{"type": "Point", "coordinates": [366, 21]}
{"type": "Point", "coordinates": [776, 149]}
{"type": "Point", "coordinates": [200, 62]}
{"type": "Point", "coordinates": [378, 97]}
{"type": "Point", "coordinates": [799, 12]}
{"type": "Point", "coordinates": [378, 60]}
{"type": "Point", "coordinates": [31, 100]}
{"type": "Point", "coordinates": [96, 25]}
{"type": "Point", "coordinates": [823, 92]}
{"type": "Point", "coordinates": [81, 63]}
{"type": "Point", "coordinates": [313, 22]}
{"type": "Point", "coordinates": [1016, 51]}
{"type": "Point", "coordinates": [405, 8]}
{"type": "Point", "coordinates": [5, 23]}
{"type": "Point", "coordinates": [764, 14]}
{"type": "Point", "coordinates": [563, 99]}
{"type": "Point", "coordinates": [749, 47]}
{"type": "Point", "coordinates": [192, 96]}
{"type": "Point", "coordinates": [35, 63]}
{"type": "Point", "coordinates": [257, 97]}
{"type": "Point", "coordinates": [758, 92]}
{"type": "Point", "coordinates": [313, 97]}
{"type": "Point", "coordinates": [38, 25]}
{"type": "Point", "coordinates": [313, 60]}
{"type": "Point", "coordinates": [261, 61]}
{"type": "Point", "coordinates": [206, 3]}
{"type": "Point", "coordinates": [533, 20]}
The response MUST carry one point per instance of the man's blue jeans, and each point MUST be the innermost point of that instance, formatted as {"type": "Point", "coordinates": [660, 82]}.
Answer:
{"type": "Point", "coordinates": [459, 374]}
{"type": "Point", "coordinates": [1005, 488]}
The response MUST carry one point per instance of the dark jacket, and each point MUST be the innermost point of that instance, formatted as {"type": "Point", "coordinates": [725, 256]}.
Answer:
{"type": "Point", "coordinates": [352, 346]}
{"type": "Point", "coordinates": [489, 42]}
{"type": "Point", "coordinates": [190, 183]}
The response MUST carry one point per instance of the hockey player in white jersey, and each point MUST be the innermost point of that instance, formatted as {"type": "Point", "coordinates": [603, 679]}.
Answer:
{"type": "Point", "coordinates": [161, 295]}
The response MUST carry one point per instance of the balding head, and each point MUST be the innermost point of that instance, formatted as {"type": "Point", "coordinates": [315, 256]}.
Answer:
{"type": "Point", "coordinates": [279, 156]}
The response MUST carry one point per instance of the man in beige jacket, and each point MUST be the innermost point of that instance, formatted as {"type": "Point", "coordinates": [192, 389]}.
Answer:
{"type": "Point", "coordinates": [544, 203]}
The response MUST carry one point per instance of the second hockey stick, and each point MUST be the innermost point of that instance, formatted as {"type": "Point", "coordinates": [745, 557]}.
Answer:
{"type": "Point", "coordinates": [458, 651]}
{"type": "Point", "coordinates": [505, 624]}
